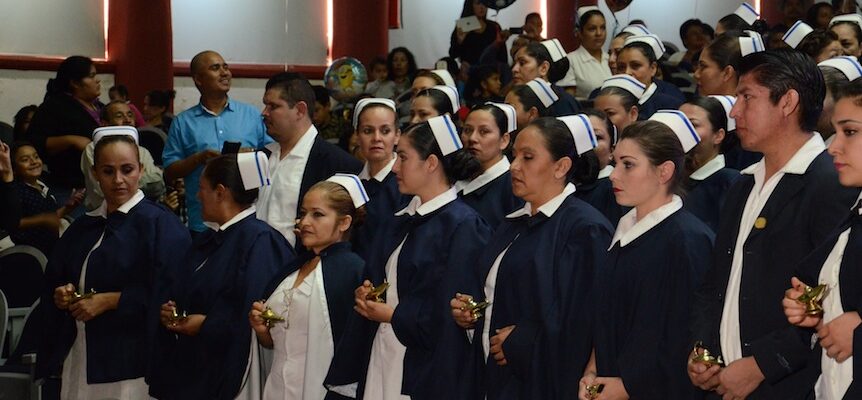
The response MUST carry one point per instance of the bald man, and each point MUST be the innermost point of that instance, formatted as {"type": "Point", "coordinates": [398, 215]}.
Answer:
{"type": "Point", "coordinates": [198, 134]}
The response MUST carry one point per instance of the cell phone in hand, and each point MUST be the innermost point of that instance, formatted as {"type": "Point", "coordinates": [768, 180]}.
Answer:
{"type": "Point", "coordinates": [468, 24]}
{"type": "Point", "coordinates": [230, 147]}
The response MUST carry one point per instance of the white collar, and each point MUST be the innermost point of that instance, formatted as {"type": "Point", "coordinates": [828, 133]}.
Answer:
{"type": "Point", "coordinates": [40, 186]}
{"type": "Point", "coordinates": [102, 210]}
{"type": "Point", "coordinates": [629, 228]}
{"type": "Point", "coordinates": [236, 218]}
{"type": "Point", "coordinates": [800, 161]}
{"type": "Point", "coordinates": [585, 55]}
{"type": "Point", "coordinates": [416, 207]}
{"type": "Point", "coordinates": [302, 148]}
{"type": "Point", "coordinates": [711, 167]}
{"type": "Point", "coordinates": [606, 171]}
{"type": "Point", "coordinates": [548, 208]}
{"type": "Point", "coordinates": [498, 169]}
{"type": "Point", "coordinates": [650, 90]}
{"type": "Point", "coordinates": [381, 175]}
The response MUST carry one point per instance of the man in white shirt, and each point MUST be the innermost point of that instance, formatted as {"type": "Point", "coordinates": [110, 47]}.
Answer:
{"type": "Point", "coordinates": [299, 156]}
{"type": "Point", "coordinates": [779, 210]}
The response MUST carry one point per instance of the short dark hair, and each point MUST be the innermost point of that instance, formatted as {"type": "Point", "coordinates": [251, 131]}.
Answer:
{"type": "Point", "coordinates": [816, 41]}
{"type": "Point", "coordinates": [375, 62]}
{"type": "Point", "coordinates": [458, 166]}
{"type": "Point", "coordinates": [121, 90]}
{"type": "Point", "coordinates": [321, 95]}
{"type": "Point", "coordinates": [560, 143]}
{"type": "Point", "coordinates": [529, 99]}
{"type": "Point", "coordinates": [72, 69]}
{"type": "Point", "coordinates": [780, 70]}
{"type": "Point", "coordinates": [724, 50]}
{"type": "Point", "coordinates": [224, 170]}
{"type": "Point", "coordinates": [811, 14]}
{"type": "Point", "coordinates": [691, 23]}
{"type": "Point", "coordinates": [733, 22]}
{"type": "Point", "coordinates": [19, 118]}
{"type": "Point", "coordinates": [659, 143]}
{"type": "Point", "coordinates": [557, 69]}
{"type": "Point", "coordinates": [293, 88]}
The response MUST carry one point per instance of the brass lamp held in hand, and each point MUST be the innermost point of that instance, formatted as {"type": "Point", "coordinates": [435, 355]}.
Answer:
{"type": "Point", "coordinates": [475, 308]}
{"type": "Point", "coordinates": [702, 355]}
{"type": "Point", "coordinates": [76, 297]}
{"type": "Point", "coordinates": [812, 298]}
{"type": "Point", "coordinates": [270, 318]}
{"type": "Point", "coordinates": [376, 294]}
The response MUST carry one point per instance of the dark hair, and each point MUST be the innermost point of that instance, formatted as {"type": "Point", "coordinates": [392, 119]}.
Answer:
{"type": "Point", "coordinates": [321, 95]}
{"type": "Point", "coordinates": [473, 88]}
{"type": "Point", "coordinates": [101, 144]}
{"type": "Point", "coordinates": [499, 116]}
{"type": "Point", "coordinates": [856, 29]}
{"type": "Point", "coordinates": [660, 144]}
{"type": "Point", "coordinates": [161, 98]}
{"type": "Point", "coordinates": [560, 143]}
{"type": "Point", "coordinates": [72, 69]}
{"type": "Point", "coordinates": [834, 79]}
{"type": "Point", "coordinates": [557, 69]}
{"type": "Point", "coordinates": [440, 102]}
{"type": "Point", "coordinates": [458, 166]}
{"type": "Point", "coordinates": [627, 99]}
{"type": "Point", "coordinates": [529, 99]}
{"type": "Point", "coordinates": [733, 22]}
{"type": "Point", "coordinates": [724, 50]}
{"type": "Point", "coordinates": [121, 90]}
{"type": "Point", "coordinates": [103, 113]}
{"type": "Point", "coordinates": [339, 199]}
{"type": "Point", "coordinates": [293, 88]}
{"type": "Point", "coordinates": [691, 23]}
{"type": "Point", "coordinates": [17, 145]}
{"type": "Point", "coordinates": [224, 170]}
{"type": "Point", "coordinates": [609, 126]}
{"type": "Point", "coordinates": [375, 62]}
{"type": "Point", "coordinates": [714, 110]}
{"type": "Point", "coordinates": [811, 15]}
{"type": "Point", "coordinates": [452, 66]}
{"type": "Point", "coordinates": [532, 15]}
{"type": "Point", "coordinates": [426, 73]}
{"type": "Point", "coordinates": [644, 48]}
{"type": "Point", "coordinates": [781, 70]}
{"type": "Point", "coordinates": [19, 118]}
{"type": "Point", "coordinates": [852, 89]}
{"type": "Point", "coordinates": [468, 8]}
{"type": "Point", "coordinates": [411, 62]}
{"type": "Point", "coordinates": [816, 41]}
{"type": "Point", "coordinates": [582, 21]}
{"type": "Point", "coordinates": [371, 107]}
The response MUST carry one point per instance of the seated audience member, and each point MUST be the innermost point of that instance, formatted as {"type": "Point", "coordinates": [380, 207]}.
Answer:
{"type": "Point", "coordinates": [42, 218]}
{"type": "Point", "coordinates": [402, 68]}
{"type": "Point", "coordinates": [121, 92]}
{"type": "Point", "coordinates": [819, 44]}
{"type": "Point", "coordinates": [330, 125]}
{"type": "Point", "coordinates": [468, 46]}
{"type": "Point", "coordinates": [588, 65]}
{"type": "Point", "coordinates": [117, 114]}
{"type": "Point", "coordinates": [545, 60]}
{"type": "Point", "coordinates": [694, 37]}
{"type": "Point", "coordinates": [9, 202]}
{"type": "Point", "coordinates": [156, 106]}
{"type": "Point", "coordinates": [22, 121]}
{"type": "Point", "coordinates": [484, 86]}
{"type": "Point", "coordinates": [819, 15]}
{"type": "Point", "coordinates": [379, 84]}
{"type": "Point", "coordinates": [300, 157]}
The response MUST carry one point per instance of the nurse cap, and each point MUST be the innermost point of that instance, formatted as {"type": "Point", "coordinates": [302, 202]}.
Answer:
{"type": "Point", "coordinates": [367, 102]}
{"type": "Point", "coordinates": [105, 131]}
{"type": "Point", "coordinates": [797, 33]}
{"type": "Point", "coordinates": [853, 18]}
{"type": "Point", "coordinates": [849, 66]}
{"type": "Point", "coordinates": [445, 134]}
{"type": "Point", "coordinates": [555, 49]}
{"type": "Point", "coordinates": [585, 9]}
{"type": "Point", "coordinates": [651, 40]}
{"type": "Point", "coordinates": [747, 13]}
{"type": "Point", "coordinates": [680, 125]}
{"type": "Point", "coordinates": [354, 188]}
{"type": "Point", "coordinates": [752, 43]}
{"type": "Point", "coordinates": [511, 116]}
{"type": "Point", "coordinates": [445, 76]}
{"type": "Point", "coordinates": [582, 132]}
{"type": "Point", "coordinates": [637, 29]}
{"type": "Point", "coordinates": [253, 169]}
{"type": "Point", "coordinates": [727, 102]}
{"type": "Point", "coordinates": [450, 93]}
{"type": "Point", "coordinates": [627, 83]}
{"type": "Point", "coordinates": [542, 89]}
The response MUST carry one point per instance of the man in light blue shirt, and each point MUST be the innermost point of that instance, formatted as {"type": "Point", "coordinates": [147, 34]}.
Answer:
{"type": "Point", "coordinates": [198, 134]}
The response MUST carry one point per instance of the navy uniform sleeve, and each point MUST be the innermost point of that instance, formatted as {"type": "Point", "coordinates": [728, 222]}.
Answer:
{"type": "Point", "coordinates": [535, 348]}
{"type": "Point", "coordinates": [11, 206]}
{"type": "Point", "coordinates": [170, 238]}
{"type": "Point", "coordinates": [653, 358]}
{"type": "Point", "coordinates": [413, 320]}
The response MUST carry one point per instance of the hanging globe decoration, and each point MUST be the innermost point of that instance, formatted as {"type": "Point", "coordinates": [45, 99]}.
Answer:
{"type": "Point", "coordinates": [345, 78]}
